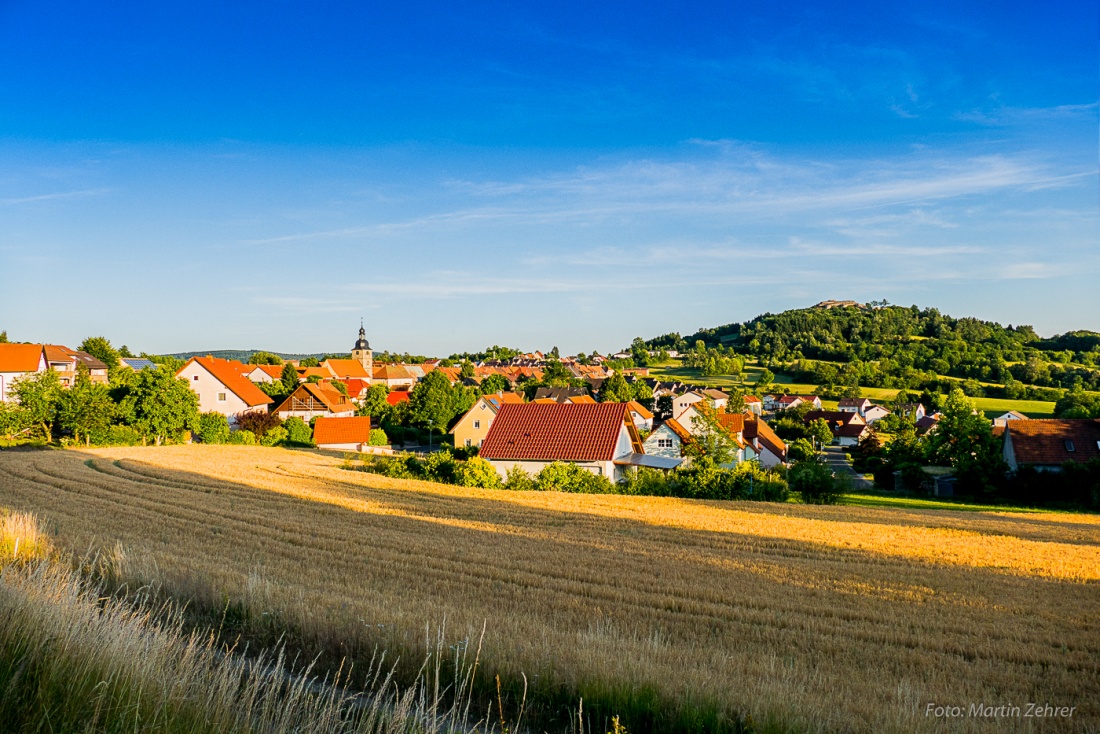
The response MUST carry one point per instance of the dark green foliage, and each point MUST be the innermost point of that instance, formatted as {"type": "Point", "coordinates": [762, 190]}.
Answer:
{"type": "Point", "coordinates": [1078, 404]}
{"type": "Point", "coordinates": [494, 384]}
{"type": "Point", "coordinates": [816, 482]}
{"type": "Point", "coordinates": [964, 440]}
{"type": "Point", "coordinates": [800, 450]}
{"type": "Point", "coordinates": [818, 430]}
{"type": "Point", "coordinates": [435, 403]}
{"type": "Point", "coordinates": [258, 422]}
{"type": "Point", "coordinates": [299, 434]}
{"type": "Point", "coordinates": [374, 403]}
{"type": "Point", "coordinates": [85, 409]}
{"type": "Point", "coordinates": [100, 348]}
{"type": "Point", "coordinates": [160, 406]}
{"type": "Point", "coordinates": [567, 477]}
{"type": "Point", "coordinates": [908, 347]}
{"type": "Point", "coordinates": [242, 438]}
{"type": "Point", "coordinates": [213, 428]}
{"type": "Point", "coordinates": [289, 378]}
{"type": "Point", "coordinates": [1076, 485]}
{"type": "Point", "coordinates": [38, 395]}
{"type": "Point", "coordinates": [264, 358]}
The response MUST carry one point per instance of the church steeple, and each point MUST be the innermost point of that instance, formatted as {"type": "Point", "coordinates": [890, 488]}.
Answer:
{"type": "Point", "coordinates": [362, 353]}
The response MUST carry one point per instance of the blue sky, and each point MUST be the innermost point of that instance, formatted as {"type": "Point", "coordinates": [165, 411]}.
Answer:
{"type": "Point", "coordinates": [203, 177]}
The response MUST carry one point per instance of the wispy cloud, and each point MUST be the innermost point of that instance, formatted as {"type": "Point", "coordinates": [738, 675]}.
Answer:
{"type": "Point", "coordinates": [53, 196]}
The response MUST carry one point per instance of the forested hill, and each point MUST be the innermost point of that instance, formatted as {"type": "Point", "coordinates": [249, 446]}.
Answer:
{"type": "Point", "coordinates": [897, 339]}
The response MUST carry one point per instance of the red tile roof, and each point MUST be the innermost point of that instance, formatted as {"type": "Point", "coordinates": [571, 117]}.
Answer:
{"type": "Point", "coordinates": [683, 433]}
{"type": "Point", "coordinates": [751, 399]}
{"type": "Point", "coordinates": [1043, 441]}
{"type": "Point", "coordinates": [345, 368]}
{"type": "Point", "coordinates": [271, 370]}
{"type": "Point", "coordinates": [495, 400]}
{"type": "Point", "coordinates": [761, 431]}
{"type": "Point", "coordinates": [556, 432]}
{"type": "Point", "coordinates": [20, 357]}
{"type": "Point", "coordinates": [341, 430]}
{"type": "Point", "coordinates": [397, 396]}
{"type": "Point", "coordinates": [834, 417]}
{"type": "Point", "coordinates": [640, 409]}
{"type": "Point", "coordinates": [228, 373]}
{"type": "Point", "coordinates": [355, 386]}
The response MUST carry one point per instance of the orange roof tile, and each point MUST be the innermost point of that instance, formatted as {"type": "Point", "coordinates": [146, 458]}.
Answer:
{"type": "Point", "coordinates": [640, 409]}
{"type": "Point", "coordinates": [341, 430]}
{"type": "Point", "coordinates": [555, 432]}
{"type": "Point", "coordinates": [1044, 440]}
{"type": "Point", "coordinates": [392, 372]}
{"type": "Point", "coordinates": [758, 429]}
{"type": "Point", "coordinates": [397, 396]}
{"type": "Point", "coordinates": [20, 357]}
{"type": "Point", "coordinates": [271, 370]}
{"type": "Point", "coordinates": [345, 368]}
{"type": "Point", "coordinates": [581, 400]}
{"type": "Point", "coordinates": [307, 372]}
{"type": "Point", "coordinates": [229, 374]}
{"type": "Point", "coordinates": [679, 430]}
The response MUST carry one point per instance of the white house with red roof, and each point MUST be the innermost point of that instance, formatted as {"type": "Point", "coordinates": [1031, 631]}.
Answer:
{"type": "Point", "coordinates": [222, 387]}
{"type": "Point", "coordinates": [17, 360]}
{"type": "Point", "coordinates": [600, 438]}
{"type": "Point", "coordinates": [754, 405]}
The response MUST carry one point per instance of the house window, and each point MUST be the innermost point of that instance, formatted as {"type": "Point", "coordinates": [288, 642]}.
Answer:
{"type": "Point", "coordinates": [664, 443]}
{"type": "Point", "coordinates": [221, 397]}
{"type": "Point", "coordinates": [468, 442]}
{"type": "Point", "coordinates": [477, 424]}
{"type": "Point", "coordinates": [195, 378]}
{"type": "Point", "coordinates": [1069, 445]}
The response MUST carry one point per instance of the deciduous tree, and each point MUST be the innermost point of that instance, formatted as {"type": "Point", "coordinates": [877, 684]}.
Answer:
{"type": "Point", "coordinates": [160, 406]}
{"type": "Point", "coordinates": [85, 409]}
{"type": "Point", "coordinates": [38, 394]}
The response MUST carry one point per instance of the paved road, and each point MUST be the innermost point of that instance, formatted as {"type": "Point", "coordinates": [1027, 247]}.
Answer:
{"type": "Point", "coordinates": [837, 460]}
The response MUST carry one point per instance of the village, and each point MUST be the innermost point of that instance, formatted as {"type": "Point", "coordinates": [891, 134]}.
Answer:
{"type": "Point", "coordinates": [607, 421]}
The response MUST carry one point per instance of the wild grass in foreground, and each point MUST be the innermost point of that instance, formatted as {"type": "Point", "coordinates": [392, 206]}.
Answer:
{"type": "Point", "coordinates": [72, 659]}
{"type": "Point", "coordinates": [670, 613]}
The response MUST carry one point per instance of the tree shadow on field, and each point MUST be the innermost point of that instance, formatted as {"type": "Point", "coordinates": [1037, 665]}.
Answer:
{"type": "Point", "coordinates": [339, 581]}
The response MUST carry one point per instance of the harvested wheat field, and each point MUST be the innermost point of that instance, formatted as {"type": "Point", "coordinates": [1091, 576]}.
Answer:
{"type": "Point", "coordinates": [796, 618]}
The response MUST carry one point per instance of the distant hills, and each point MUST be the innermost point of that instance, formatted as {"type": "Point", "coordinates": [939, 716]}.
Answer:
{"type": "Point", "coordinates": [241, 355]}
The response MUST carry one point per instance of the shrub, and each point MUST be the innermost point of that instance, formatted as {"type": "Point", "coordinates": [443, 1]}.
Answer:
{"type": "Point", "coordinates": [258, 422]}
{"type": "Point", "coordinates": [242, 438]}
{"type": "Point", "coordinates": [520, 481]}
{"type": "Point", "coordinates": [477, 472]}
{"type": "Point", "coordinates": [568, 477]}
{"type": "Point", "coordinates": [297, 432]}
{"type": "Point", "coordinates": [800, 450]}
{"type": "Point", "coordinates": [378, 437]}
{"type": "Point", "coordinates": [213, 428]}
{"type": "Point", "coordinates": [274, 437]}
{"type": "Point", "coordinates": [122, 436]}
{"type": "Point", "coordinates": [646, 482]}
{"type": "Point", "coordinates": [440, 467]}
{"type": "Point", "coordinates": [816, 482]}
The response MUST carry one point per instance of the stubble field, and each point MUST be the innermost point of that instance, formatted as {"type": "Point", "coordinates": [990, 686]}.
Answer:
{"type": "Point", "coordinates": [795, 618]}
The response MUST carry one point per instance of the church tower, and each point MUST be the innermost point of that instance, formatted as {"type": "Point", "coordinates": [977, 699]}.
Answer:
{"type": "Point", "coordinates": [362, 353]}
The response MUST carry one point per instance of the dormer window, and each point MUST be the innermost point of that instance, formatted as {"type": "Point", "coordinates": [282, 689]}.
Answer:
{"type": "Point", "coordinates": [1069, 445]}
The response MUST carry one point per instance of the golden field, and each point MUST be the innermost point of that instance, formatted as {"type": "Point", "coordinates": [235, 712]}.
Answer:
{"type": "Point", "coordinates": [803, 618]}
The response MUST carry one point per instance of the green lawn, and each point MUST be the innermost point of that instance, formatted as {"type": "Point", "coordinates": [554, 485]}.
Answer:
{"type": "Point", "coordinates": [922, 503]}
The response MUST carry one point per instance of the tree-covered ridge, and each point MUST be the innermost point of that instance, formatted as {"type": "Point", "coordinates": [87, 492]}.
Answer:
{"type": "Point", "coordinates": [899, 340]}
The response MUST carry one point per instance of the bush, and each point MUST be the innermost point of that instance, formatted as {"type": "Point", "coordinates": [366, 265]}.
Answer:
{"type": "Point", "coordinates": [568, 477]}
{"type": "Point", "coordinates": [258, 422]}
{"type": "Point", "coordinates": [440, 467]}
{"type": "Point", "coordinates": [121, 436]}
{"type": "Point", "coordinates": [816, 482]}
{"type": "Point", "coordinates": [274, 437]}
{"type": "Point", "coordinates": [520, 481]}
{"type": "Point", "coordinates": [297, 432]}
{"type": "Point", "coordinates": [801, 450]}
{"type": "Point", "coordinates": [242, 438]}
{"type": "Point", "coordinates": [477, 472]}
{"type": "Point", "coordinates": [646, 482]}
{"type": "Point", "coordinates": [213, 428]}
{"type": "Point", "coordinates": [378, 437]}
